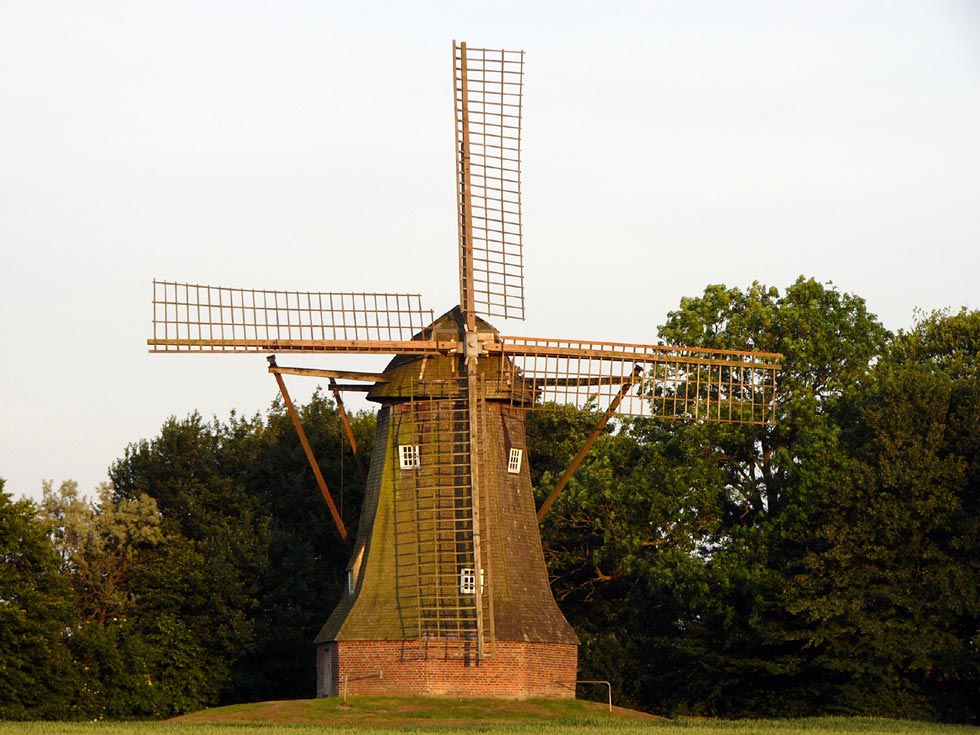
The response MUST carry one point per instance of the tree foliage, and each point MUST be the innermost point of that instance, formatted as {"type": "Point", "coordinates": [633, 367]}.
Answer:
{"type": "Point", "coordinates": [892, 589]}
{"type": "Point", "coordinates": [252, 565]}
{"type": "Point", "coordinates": [100, 544]}
{"type": "Point", "coordinates": [35, 611]}
{"type": "Point", "coordinates": [827, 563]}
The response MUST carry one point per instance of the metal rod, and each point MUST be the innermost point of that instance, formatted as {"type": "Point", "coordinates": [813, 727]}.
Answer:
{"type": "Point", "coordinates": [608, 687]}
{"type": "Point", "coordinates": [610, 412]}
{"type": "Point", "coordinates": [379, 675]}
{"type": "Point", "coordinates": [338, 521]}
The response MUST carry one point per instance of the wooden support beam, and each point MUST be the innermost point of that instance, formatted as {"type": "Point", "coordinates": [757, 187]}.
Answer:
{"type": "Point", "coordinates": [332, 374]}
{"type": "Point", "coordinates": [576, 463]}
{"type": "Point", "coordinates": [338, 521]}
{"type": "Point", "coordinates": [346, 346]}
{"type": "Point", "coordinates": [624, 352]}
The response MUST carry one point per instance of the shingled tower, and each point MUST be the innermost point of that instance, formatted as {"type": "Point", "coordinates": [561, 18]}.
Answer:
{"type": "Point", "coordinates": [413, 619]}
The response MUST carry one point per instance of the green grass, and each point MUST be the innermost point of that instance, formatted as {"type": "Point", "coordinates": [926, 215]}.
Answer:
{"type": "Point", "coordinates": [401, 711]}
{"type": "Point", "coordinates": [399, 716]}
{"type": "Point", "coordinates": [821, 726]}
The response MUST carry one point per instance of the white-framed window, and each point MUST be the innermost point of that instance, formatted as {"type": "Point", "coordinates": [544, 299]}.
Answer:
{"type": "Point", "coordinates": [351, 582]}
{"type": "Point", "coordinates": [467, 581]}
{"type": "Point", "coordinates": [408, 456]}
{"type": "Point", "coordinates": [514, 461]}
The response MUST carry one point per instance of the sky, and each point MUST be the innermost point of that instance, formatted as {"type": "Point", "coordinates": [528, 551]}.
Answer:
{"type": "Point", "coordinates": [309, 145]}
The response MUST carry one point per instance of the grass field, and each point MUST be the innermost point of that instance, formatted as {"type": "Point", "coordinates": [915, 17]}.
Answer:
{"type": "Point", "coordinates": [391, 716]}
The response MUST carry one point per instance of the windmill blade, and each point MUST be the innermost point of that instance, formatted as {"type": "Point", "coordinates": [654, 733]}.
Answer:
{"type": "Point", "coordinates": [197, 318]}
{"type": "Point", "coordinates": [488, 88]}
{"type": "Point", "coordinates": [642, 380]}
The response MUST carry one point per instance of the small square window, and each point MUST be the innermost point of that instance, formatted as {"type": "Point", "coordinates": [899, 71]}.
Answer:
{"type": "Point", "coordinates": [408, 456]}
{"type": "Point", "coordinates": [467, 581]}
{"type": "Point", "coordinates": [514, 461]}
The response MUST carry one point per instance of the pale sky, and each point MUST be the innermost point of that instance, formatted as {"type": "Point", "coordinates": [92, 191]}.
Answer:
{"type": "Point", "coordinates": [309, 145]}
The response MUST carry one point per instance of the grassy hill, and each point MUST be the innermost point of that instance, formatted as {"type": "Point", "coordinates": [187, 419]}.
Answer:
{"type": "Point", "coordinates": [385, 715]}
{"type": "Point", "coordinates": [400, 716]}
{"type": "Point", "coordinates": [403, 711]}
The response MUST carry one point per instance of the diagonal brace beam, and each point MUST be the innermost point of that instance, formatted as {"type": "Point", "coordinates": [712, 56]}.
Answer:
{"type": "Point", "coordinates": [338, 521]}
{"type": "Point", "coordinates": [577, 462]}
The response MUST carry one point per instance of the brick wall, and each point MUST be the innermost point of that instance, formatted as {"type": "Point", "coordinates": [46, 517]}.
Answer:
{"type": "Point", "coordinates": [405, 668]}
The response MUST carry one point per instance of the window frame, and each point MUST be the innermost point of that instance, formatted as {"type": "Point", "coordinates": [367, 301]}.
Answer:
{"type": "Point", "coordinates": [515, 460]}
{"type": "Point", "coordinates": [408, 457]}
{"type": "Point", "coordinates": [467, 580]}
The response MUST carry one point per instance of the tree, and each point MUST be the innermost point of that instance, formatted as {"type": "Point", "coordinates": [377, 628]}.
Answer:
{"type": "Point", "coordinates": [100, 544]}
{"type": "Point", "coordinates": [199, 585]}
{"type": "Point", "coordinates": [828, 341]}
{"type": "Point", "coordinates": [698, 528]}
{"type": "Point", "coordinates": [307, 559]}
{"type": "Point", "coordinates": [36, 676]}
{"type": "Point", "coordinates": [748, 641]}
{"type": "Point", "coordinates": [892, 592]}
{"type": "Point", "coordinates": [251, 565]}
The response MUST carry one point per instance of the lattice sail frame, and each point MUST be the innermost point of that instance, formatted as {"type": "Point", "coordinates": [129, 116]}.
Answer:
{"type": "Point", "coordinates": [198, 318]}
{"type": "Point", "coordinates": [685, 383]}
{"type": "Point", "coordinates": [667, 382]}
{"type": "Point", "coordinates": [488, 88]}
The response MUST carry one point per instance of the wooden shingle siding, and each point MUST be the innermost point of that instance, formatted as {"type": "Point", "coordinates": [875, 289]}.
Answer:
{"type": "Point", "coordinates": [407, 616]}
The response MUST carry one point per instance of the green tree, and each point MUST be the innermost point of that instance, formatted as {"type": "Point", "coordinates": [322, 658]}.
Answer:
{"type": "Point", "coordinates": [251, 564]}
{"type": "Point", "coordinates": [102, 545]}
{"type": "Point", "coordinates": [828, 341]}
{"type": "Point", "coordinates": [697, 528]}
{"type": "Point", "coordinates": [745, 640]}
{"type": "Point", "coordinates": [99, 544]}
{"type": "Point", "coordinates": [892, 592]}
{"type": "Point", "coordinates": [306, 557]}
{"type": "Point", "coordinates": [199, 585]}
{"type": "Point", "coordinates": [37, 679]}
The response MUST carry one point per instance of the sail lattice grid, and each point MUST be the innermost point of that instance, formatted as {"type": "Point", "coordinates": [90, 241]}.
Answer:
{"type": "Point", "coordinates": [199, 318]}
{"type": "Point", "coordinates": [728, 386]}
{"type": "Point", "coordinates": [488, 90]}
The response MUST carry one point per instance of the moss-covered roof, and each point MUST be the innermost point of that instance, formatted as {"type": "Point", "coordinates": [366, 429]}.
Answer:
{"type": "Point", "coordinates": [420, 376]}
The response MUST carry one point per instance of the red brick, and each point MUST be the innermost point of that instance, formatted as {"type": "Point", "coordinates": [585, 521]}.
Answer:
{"type": "Point", "coordinates": [401, 668]}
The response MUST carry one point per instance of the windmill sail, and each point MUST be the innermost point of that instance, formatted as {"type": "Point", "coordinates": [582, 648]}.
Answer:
{"type": "Point", "coordinates": [488, 88]}
{"type": "Point", "coordinates": [197, 318]}
{"type": "Point", "coordinates": [731, 386]}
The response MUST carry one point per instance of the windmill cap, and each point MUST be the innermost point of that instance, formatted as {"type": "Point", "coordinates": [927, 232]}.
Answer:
{"type": "Point", "coordinates": [442, 376]}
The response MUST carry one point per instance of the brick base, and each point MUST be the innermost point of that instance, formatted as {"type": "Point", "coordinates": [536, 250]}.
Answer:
{"type": "Point", "coordinates": [401, 668]}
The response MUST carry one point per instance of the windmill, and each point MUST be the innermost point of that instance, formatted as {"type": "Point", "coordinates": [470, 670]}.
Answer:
{"type": "Point", "coordinates": [447, 591]}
